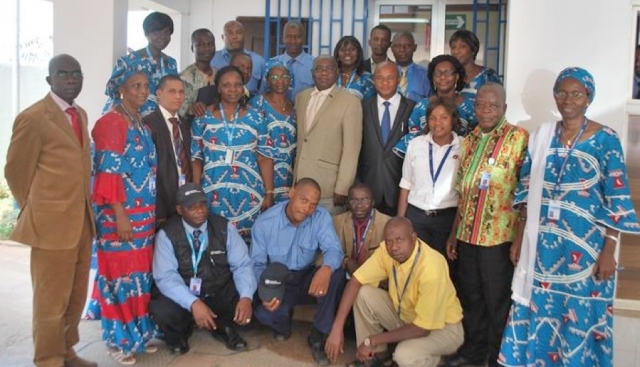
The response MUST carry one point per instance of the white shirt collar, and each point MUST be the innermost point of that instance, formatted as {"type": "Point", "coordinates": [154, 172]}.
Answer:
{"type": "Point", "coordinates": [166, 114]}
{"type": "Point", "coordinates": [394, 101]}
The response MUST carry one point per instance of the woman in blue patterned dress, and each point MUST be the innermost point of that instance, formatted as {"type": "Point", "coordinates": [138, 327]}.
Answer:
{"type": "Point", "coordinates": [350, 58]}
{"type": "Point", "coordinates": [124, 194]}
{"type": "Point", "coordinates": [447, 80]}
{"type": "Point", "coordinates": [232, 155]}
{"type": "Point", "coordinates": [574, 201]}
{"type": "Point", "coordinates": [158, 28]}
{"type": "Point", "coordinates": [278, 114]}
{"type": "Point", "coordinates": [464, 47]}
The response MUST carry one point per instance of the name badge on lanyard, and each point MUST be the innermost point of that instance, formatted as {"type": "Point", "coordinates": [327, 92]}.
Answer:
{"type": "Point", "coordinates": [182, 180]}
{"type": "Point", "coordinates": [152, 183]}
{"type": "Point", "coordinates": [554, 210]}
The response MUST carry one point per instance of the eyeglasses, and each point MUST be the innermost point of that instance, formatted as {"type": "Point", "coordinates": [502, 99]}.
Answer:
{"type": "Point", "coordinates": [275, 78]}
{"type": "Point", "coordinates": [354, 202]}
{"type": "Point", "coordinates": [63, 74]}
{"type": "Point", "coordinates": [319, 69]}
{"type": "Point", "coordinates": [439, 73]}
{"type": "Point", "coordinates": [571, 95]}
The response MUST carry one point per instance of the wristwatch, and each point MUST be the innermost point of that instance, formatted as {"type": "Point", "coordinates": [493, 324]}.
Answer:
{"type": "Point", "coordinates": [367, 342]}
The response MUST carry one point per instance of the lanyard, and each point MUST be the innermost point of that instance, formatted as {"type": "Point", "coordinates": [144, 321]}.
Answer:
{"type": "Point", "coordinates": [566, 158]}
{"type": "Point", "coordinates": [395, 279]}
{"type": "Point", "coordinates": [434, 178]}
{"type": "Point", "coordinates": [351, 78]}
{"type": "Point", "coordinates": [360, 240]}
{"type": "Point", "coordinates": [150, 55]}
{"type": "Point", "coordinates": [231, 131]}
{"type": "Point", "coordinates": [195, 259]}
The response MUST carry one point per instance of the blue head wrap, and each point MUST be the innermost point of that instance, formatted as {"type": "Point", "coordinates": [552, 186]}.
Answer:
{"type": "Point", "coordinates": [272, 64]}
{"type": "Point", "coordinates": [582, 76]}
{"type": "Point", "coordinates": [125, 67]}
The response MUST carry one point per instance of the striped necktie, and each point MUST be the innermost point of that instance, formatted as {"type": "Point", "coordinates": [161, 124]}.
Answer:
{"type": "Point", "coordinates": [404, 81]}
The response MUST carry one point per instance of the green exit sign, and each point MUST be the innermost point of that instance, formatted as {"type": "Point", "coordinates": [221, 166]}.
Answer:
{"type": "Point", "coordinates": [455, 21]}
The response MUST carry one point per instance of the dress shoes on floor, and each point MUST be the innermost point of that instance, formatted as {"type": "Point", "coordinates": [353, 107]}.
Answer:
{"type": "Point", "coordinates": [79, 362]}
{"type": "Point", "coordinates": [180, 348]}
{"type": "Point", "coordinates": [316, 342]}
{"type": "Point", "coordinates": [230, 337]}
{"type": "Point", "coordinates": [461, 361]}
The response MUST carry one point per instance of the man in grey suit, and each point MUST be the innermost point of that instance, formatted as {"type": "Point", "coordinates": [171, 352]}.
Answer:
{"type": "Point", "coordinates": [329, 135]}
{"type": "Point", "coordinates": [385, 122]}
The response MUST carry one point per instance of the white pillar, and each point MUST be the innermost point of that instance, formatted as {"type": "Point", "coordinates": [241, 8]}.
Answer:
{"type": "Point", "coordinates": [95, 33]}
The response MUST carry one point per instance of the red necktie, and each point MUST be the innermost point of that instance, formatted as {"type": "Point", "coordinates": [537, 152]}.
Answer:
{"type": "Point", "coordinates": [181, 152]}
{"type": "Point", "coordinates": [75, 123]}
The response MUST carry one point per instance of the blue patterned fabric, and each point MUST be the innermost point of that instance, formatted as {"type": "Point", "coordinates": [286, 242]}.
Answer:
{"type": "Point", "coordinates": [570, 318]}
{"type": "Point", "coordinates": [360, 86]}
{"type": "Point", "coordinates": [486, 75]}
{"type": "Point", "coordinates": [282, 132]}
{"type": "Point", "coordinates": [124, 268]}
{"type": "Point", "coordinates": [418, 121]}
{"type": "Point", "coordinates": [235, 190]}
{"type": "Point", "coordinates": [134, 62]}
{"type": "Point", "coordinates": [581, 75]}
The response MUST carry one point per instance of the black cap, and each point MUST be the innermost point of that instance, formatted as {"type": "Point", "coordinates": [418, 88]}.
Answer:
{"type": "Point", "coordinates": [189, 194]}
{"type": "Point", "coordinates": [273, 282]}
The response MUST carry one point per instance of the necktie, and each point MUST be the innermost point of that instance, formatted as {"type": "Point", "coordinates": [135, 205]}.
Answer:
{"type": "Point", "coordinates": [181, 153]}
{"type": "Point", "coordinates": [75, 123]}
{"type": "Point", "coordinates": [404, 81]}
{"type": "Point", "coordinates": [385, 126]}
{"type": "Point", "coordinates": [196, 240]}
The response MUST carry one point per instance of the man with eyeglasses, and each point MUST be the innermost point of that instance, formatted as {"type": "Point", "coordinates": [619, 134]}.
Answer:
{"type": "Point", "coordinates": [48, 171]}
{"type": "Point", "coordinates": [384, 124]}
{"type": "Point", "coordinates": [485, 226]}
{"type": "Point", "coordinates": [414, 82]}
{"type": "Point", "coordinates": [202, 268]}
{"type": "Point", "coordinates": [361, 228]}
{"type": "Point", "coordinates": [329, 135]}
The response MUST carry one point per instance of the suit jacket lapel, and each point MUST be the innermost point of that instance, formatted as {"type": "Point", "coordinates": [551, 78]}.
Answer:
{"type": "Point", "coordinates": [302, 117]}
{"type": "Point", "coordinates": [375, 119]}
{"type": "Point", "coordinates": [60, 119]}
{"type": "Point", "coordinates": [398, 122]}
{"type": "Point", "coordinates": [348, 234]}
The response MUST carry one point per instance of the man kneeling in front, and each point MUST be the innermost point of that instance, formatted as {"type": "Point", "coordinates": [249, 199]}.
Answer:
{"type": "Point", "coordinates": [204, 273]}
{"type": "Point", "coordinates": [420, 311]}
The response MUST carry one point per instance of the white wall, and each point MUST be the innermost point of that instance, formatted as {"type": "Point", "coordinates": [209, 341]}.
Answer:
{"type": "Point", "coordinates": [545, 36]}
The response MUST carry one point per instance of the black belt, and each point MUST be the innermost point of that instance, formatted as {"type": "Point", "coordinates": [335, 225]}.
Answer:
{"type": "Point", "coordinates": [435, 212]}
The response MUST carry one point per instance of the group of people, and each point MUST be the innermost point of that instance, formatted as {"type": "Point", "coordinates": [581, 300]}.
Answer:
{"type": "Point", "coordinates": [380, 189]}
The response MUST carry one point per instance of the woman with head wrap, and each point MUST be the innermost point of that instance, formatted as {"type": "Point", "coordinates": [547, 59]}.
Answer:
{"type": "Point", "coordinates": [446, 76]}
{"type": "Point", "coordinates": [464, 47]}
{"type": "Point", "coordinates": [279, 116]}
{"type": "Point", "coordinates": [352, 77]}
{"type": "Point", "coordinates": [124, 193]}
{"type": "Point", "coordinates": [158, 28]}
{"type": "Point", "coordinates": [232, 155]}
{"type": "Point", "coordinates": [574, 201]}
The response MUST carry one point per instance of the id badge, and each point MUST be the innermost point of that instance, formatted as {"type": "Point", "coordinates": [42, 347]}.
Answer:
{"type": "Point", "coordinates": [194, 286]}
{"type": "Point", "coordinates": [485, 180]}
{"type": "Point", "coordinates": [554, 210]}
{"type": "Point", "coordinates": [182, 180]}
{"type": "Point", "coordinates": [228, 157]}
{"type": "Point", "coordinates": [152, 183]}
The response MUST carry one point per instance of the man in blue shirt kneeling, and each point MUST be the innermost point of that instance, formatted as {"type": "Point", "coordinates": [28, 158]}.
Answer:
{"type": "Point", "coordinates": [202, 269]}
{"type": "Point", "coordinates": [293, 233]}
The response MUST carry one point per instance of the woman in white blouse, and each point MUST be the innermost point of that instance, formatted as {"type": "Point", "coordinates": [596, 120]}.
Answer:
{"type": "Point", "coordinates": [427, 189]}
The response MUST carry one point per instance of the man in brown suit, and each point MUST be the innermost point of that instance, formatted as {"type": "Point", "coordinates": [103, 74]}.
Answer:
{"type": "Point", "coordinates": [48, 171]}
{"type": "Point", "coordinates": [329, 135]}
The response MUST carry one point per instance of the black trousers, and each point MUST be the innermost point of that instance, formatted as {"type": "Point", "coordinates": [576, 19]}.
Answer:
{"type": "Point", "coordinates": [177, 323]}
{"type": "Point", "coordinates": [385, 209]}
{"type": "Point", "coordinates": [434, 231]}
{"type": "Point", "coordinates": [484, 289]}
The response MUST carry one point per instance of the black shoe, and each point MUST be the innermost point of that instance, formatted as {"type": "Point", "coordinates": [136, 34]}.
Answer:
{"type": "Point", "coordinates": [280, 337]}
{"type": "Point", "coordinates": [230, 338]}
{"type": "Point", "coordinates": [457, 360]}
{"type": "Point", "coordinates": [316, 342]}
{"type": "Point", "coordinates": [180, 348]}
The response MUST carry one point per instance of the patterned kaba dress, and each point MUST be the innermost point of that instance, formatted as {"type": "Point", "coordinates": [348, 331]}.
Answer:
{"type": "Point", "coordinates": [471, 89]}
{"type": "Point", "coordinates": [232, 184]}
{"type": "Point", "coordinates": [125, 163]}
{"type": "Point", "coordinates": [570, 317]}
{"type": "Point", "coordinates": [282, 131]}
{"type": "Point", "coordinates": [360, 86]}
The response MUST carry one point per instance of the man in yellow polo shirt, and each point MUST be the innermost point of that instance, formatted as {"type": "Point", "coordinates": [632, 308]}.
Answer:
{"type": "Point", "coordinates": [420, 311]}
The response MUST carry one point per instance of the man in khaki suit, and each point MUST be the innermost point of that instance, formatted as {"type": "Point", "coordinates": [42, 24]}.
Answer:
{"type": "Point", "coordinates": [48, 171]}
{"type": "Point", "coordinates": [329, 135]}
{"type": "Point", "coordinates": [361, 229]}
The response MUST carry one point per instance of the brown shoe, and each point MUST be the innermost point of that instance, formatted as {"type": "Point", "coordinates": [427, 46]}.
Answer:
{"type": "Point", "coordinates": [79, 362]}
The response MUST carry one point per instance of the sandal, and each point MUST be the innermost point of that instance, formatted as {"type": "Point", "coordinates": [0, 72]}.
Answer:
{"type": "Point", "coordinates": [123, 358]}
{"type": "Point", "coordinates": [150, 349]}
{"type": "Point", "coordinates": [374, 362]}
